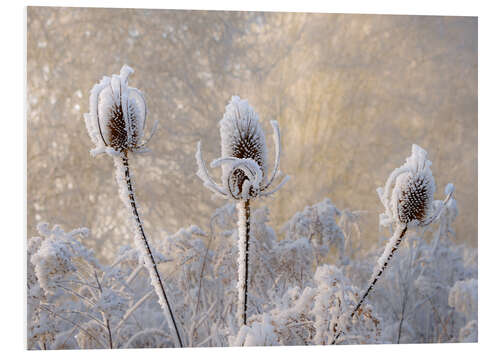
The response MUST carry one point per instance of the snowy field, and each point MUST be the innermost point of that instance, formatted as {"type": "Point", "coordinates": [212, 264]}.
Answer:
{"type": "Point", "coordinates": [335, 202]}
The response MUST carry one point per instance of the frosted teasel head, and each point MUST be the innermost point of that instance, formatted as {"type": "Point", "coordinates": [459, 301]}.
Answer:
{"type": "Point", "coordinates": [243, 155]}
{"type": "Point", "coordinates": [117, 115]}
{"type": "Point", "coordinates": [408, 195]}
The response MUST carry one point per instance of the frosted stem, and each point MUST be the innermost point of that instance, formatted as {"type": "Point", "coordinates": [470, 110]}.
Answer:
{"type": "Point", "coordinates": [143, 245]}
{"type": "Point", "coordinates": [108, 327]}
{"type": "Point", "coordinates": [383, 261]}
{"type": "Point", "coordinates": [243, 245]}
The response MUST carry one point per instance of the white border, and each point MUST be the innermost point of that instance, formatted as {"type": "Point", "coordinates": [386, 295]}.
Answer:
{"type": "Point", "coordinates": [13, 184]}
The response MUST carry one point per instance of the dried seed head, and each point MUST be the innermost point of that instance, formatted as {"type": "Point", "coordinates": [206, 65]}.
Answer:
{"type": "Point", "coordinates": [408, 195]}
{"type": "Point", "coordinates": [117, 114]}
{"type": "Point", "coordinates": [244, 154]}
{"type": "Point", "coordinates": [415, 197]}
{"type": "Point", "coordinates": [242, 137]}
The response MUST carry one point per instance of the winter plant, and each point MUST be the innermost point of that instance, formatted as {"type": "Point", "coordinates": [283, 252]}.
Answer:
{"type": "Point", "coordinates": [408, 198]}
{"type": "Point", "coordinates": [427, 295]}
{"type": "Point", "coordinates": [305, 275]}
{"type": "Point", "coordinates": [244, 176]}
{"type": "Point", "coordinates": [116, 124]}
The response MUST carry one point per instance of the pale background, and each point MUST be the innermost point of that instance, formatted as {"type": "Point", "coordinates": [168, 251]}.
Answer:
{"type": "Point", "coordinates": [351, 94]}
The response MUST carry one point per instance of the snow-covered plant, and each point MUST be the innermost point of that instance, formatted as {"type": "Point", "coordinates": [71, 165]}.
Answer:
{"type": "Point", "coordinates": [409, 191]}
{"type": "Point", "coordinates": [76, 301]}
{"type": "Point", "coordinates": [305, 278]}
{"type": "Point", "coordinates": [414, 294]}
{"type": "Point", "coordinates": [317, 224]}
{"type": "Point", "coordinates": [117, 116]}
{"type": "Point", "coordinates": [60, 266]}
{"type": "Point", "coordinates": [116, 123]}
{"type": "Point", "coordinates": [244, 175]}
{"type": "Point", "coordinates": [408, 198]}
{"type": "Point", "coordinates": [463, 298]}
{"type": "Point", "coordinates": [304, 317]}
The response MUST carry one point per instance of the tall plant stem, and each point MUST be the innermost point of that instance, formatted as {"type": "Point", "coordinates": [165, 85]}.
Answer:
{"type": "Point", "coordinates": [391, 247]}
{"type": "Point", "coordinates": [146, 250]}
{"type": "Point", "coordinates": [243, 245]}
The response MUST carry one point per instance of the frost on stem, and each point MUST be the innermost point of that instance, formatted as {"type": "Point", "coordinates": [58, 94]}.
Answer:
{"type": "Point", "coordinates": [243, 246]}
{"type": "Point", "coordinates": [116, 126]}
{"type": "Point", "coordinates": [125, 183]}
{"type": "Point", "coordinates": [408, 198]}
{"type": "Point", "coordinates": [244, 176]}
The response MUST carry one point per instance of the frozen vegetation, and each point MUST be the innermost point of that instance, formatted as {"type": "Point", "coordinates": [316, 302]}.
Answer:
{"type": "Point", "coordinates": [244, 177]}
{"type": "Point", "coordinates": [306, 265]}
{"type": "Point", "coordinates": [239, 282]}
{"type": "Point", "coordinates": [303, 278]}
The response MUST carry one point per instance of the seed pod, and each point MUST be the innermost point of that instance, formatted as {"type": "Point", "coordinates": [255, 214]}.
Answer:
{"type": "Point", "coordinates": [242, 137]}
{"type": "Point", "coordinates": [244, 155]}
{"type": "Point", "coordinates": [117, 114]}
{"type": "Point", "coordinates": [411, 201]}
{"type": "Point", "coordinates": [414, 197]}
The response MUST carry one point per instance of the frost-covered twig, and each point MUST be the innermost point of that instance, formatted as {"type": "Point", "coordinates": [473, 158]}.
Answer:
{"type": "Point", "coordinates": [146, 332]}
{"type": "Point", "coordinates": [390, 248]}
{"type": "Point", "coordinates": [244, 176]}
{"type": "Point", "coordinates": [243, 245]}
{"type": "Point", "coordinates": [74, 324]}
{"type": "Point", "coordinates": [128, 197]}
{"type": "Point", "coordinates": [204, 264]}
{"type": "Point", "coordinates": [409, 204]}
{"type": "Point", "coordinates": [116, 125]}
{"type": "Point", "coordinates": [291, 300]}
{"type": "Point", "coordinates": [106, 319]}
{"type": "Point", "coordinates": [131, 310]}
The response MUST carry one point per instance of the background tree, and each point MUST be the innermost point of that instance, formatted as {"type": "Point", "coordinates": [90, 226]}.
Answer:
{"type": "Point", "coordinates": [352, 91]}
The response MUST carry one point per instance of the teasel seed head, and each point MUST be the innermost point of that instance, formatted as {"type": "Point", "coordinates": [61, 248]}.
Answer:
{"type": "Point", "coordinates": [242, 137]}
{"type": "Point", "coordinates": [117, 115]}
{"type": "Point", "coordinates": [408, 195]}
{"type": "Point", "coordinates": [244, 155]}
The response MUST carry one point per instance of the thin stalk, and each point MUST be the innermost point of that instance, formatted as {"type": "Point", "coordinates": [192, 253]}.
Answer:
{"type": "Point", "coordinates": [400, 329]}
{"type": "Point", "coordinates": [198, 298]}
{"type": "Point", "coordinates": [148, 255]}
{"type": "Point", "coordinates": [244, 243]}
{"type": "Point", "coordinates": [393, 246]}
{"type": "Point", "coordinates": [74, 324]}
{"type": "Point", "coordinates": [131, 310]}
{"type": "Point", "coordinates": [108, 327]}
